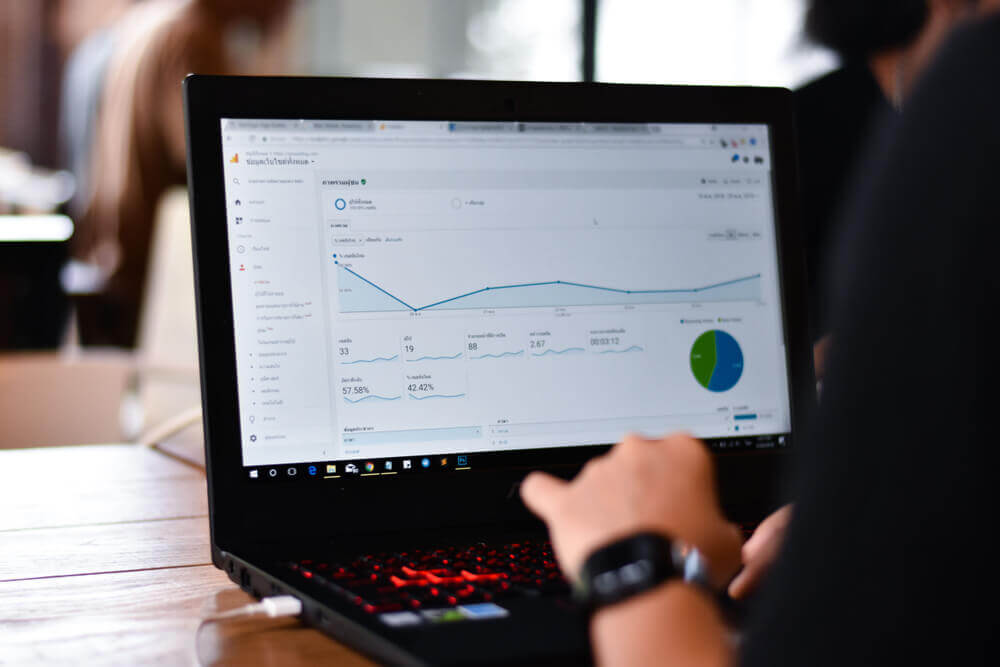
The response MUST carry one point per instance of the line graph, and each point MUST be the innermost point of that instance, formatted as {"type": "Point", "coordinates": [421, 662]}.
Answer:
{"type": "Point", "coordinates": [566, 350]}
{"type": "Point", "coordinates": [630, 348]}
{"type": "Point", "coordinates": [371, 397]}
{"type": "Point", "coordinates": [359, 294]}
{"type": "Point", "coordinates": [499, 356]}
{"type": "Point", "coordinates": [369, 361]}
{"type": "Point", "coordinates": [424, 398]}
{"type": "Point", "coordinates": [443, 357]}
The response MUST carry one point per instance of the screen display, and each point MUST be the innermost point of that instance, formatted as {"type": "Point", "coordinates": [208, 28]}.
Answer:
{"type": "Point", "coordinates": [415, 294]}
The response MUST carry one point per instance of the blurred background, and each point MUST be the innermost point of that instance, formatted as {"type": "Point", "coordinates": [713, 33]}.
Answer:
{"type": "Point", "coordinates": [96, 291]}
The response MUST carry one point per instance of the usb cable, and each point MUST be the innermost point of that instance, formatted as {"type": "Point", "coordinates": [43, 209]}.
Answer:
{"type": "Point", "coordinates": [278, 606]}
{"type": "Point", "coordinates": [272, 607]}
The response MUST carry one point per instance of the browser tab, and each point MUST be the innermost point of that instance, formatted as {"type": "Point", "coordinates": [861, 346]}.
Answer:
{"type": "Point", "coordinates": [483, 127]}
{"type": "Point", "coordinates": [551, 128]}
{"type": "Point", "coordinates": [341, 125]}
{"type": "Point", "coordinates": [241, 124]}
{"type": "Point", "coordinates": [618, 128]}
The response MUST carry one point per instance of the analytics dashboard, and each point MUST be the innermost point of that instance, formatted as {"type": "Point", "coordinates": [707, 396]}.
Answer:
{"type": "Point", "coordinates": [402, 288]}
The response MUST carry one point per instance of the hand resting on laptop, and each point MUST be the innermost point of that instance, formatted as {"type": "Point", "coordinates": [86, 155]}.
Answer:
{"type": "Point", "coordinates": [664, 486]}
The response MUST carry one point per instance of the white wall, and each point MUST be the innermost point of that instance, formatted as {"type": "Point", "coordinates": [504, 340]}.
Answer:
{"type": "Point", "coordinates": [706, 41]}
{"type": "Point", "coordinates": [512, 39]}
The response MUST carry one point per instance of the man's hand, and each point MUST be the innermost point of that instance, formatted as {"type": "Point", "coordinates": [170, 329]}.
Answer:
{"type": "Point", "coordinates": [665, 486]}
{"type": "Point", "coordinates": [821, 352]}
{"type": "Point", "coordinates": [760, 551]}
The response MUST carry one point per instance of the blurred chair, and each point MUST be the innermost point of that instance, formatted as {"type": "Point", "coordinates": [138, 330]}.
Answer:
{"type": "Point", "coordinates": [168, 381]}
{"type": "Point", "coordinates": [33, 307]}
{"type": "Point", "coordinates": [138, 149]}
{"type": "Point", "coordinates": [33, 246]}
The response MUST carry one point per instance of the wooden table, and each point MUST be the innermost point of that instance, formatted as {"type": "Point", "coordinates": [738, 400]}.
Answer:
{"type": "Point", "coordinates": [104, 558]}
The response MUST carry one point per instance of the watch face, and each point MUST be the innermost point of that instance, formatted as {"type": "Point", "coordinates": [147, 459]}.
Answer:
{"type": "Point", "coordinates": [693, 566]}
{"type": "Point", "coordinates": [628, 567]}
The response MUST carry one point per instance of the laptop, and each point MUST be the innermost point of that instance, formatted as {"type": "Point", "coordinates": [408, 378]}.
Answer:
{"type": "Point", "coordinates": [412, 293]}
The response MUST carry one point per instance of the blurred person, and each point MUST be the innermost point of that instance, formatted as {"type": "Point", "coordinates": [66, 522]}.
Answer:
{"type": "Point", "coordinates": [35, 39]}
{"type": "Point", "coordinates": [90, 47]}
{"type": "Point", "coordinates": [887, 557]}
{"type": "Point", "coordinates": [138, 148]}
{"type": "Point", "coordinates": [884, 45]}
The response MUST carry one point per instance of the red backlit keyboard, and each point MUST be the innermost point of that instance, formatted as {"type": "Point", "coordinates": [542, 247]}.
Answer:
{"type": "Point", "coordinates": [438, 578]}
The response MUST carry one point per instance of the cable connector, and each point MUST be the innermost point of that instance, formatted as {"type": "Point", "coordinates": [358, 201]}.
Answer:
{"type": "Point", "coordinates": [281, 605]}
{"type": "Point", "coordinates": [278, 606]}
{"type": "Point", "coordinates": [273, 607]}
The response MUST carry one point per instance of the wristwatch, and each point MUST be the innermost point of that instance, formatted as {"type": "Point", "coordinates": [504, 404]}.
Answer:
{"type": "Point", "coordinates": [635, 564]}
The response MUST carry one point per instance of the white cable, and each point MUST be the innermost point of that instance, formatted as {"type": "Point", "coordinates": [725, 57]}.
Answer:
{"type": "Point", "coordinates": [170, 427]}
{"type": "Point", "coordinates": [272, 607]}
{"type": "Point", "coordinates": [278, 606]}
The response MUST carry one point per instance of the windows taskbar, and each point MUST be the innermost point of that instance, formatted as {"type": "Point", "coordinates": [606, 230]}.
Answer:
{"type": "Point", "coordinates": [457, 463]}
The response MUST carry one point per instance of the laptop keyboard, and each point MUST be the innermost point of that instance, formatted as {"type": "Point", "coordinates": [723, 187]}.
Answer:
{"type": "Point", "coordinates": [431, 580]}
{"type": "Point", "coordinates": [440, 578]}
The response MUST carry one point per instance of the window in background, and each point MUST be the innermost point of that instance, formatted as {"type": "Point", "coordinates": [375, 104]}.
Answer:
{"type": "Point", "coordinates": [487, 39]}
{"type": "Point", "coordinates": [757, 42]}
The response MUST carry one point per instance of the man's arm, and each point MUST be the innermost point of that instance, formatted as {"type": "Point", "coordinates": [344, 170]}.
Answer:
{"type": "Point", "coordinates": [665, 487]}
{"type": "Point", "coordinates": [675, 624]}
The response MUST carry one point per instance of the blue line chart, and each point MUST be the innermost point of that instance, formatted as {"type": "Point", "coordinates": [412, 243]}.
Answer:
{"type": "Point", "coordinates": [428, 357]}
{"type": "Point", "coordinates": [424, 398]}
{"type": "Point", "coordinates": [567, 350]}
{"type": "Point", "coordinates": [369, 361]}
{"type": "Point", "coordinates": [361, 294]}
{"type": "Point", "coordinates": [371, 396]}
{"type": "Point", "coordinates": [630, 348]}
{"type": "Point", "coordinates": [499, 356]}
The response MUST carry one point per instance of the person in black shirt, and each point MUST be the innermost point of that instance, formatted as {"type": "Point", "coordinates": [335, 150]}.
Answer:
{"type": "Point", "coordinates": [835, 115]}
{"type": "Point", "coordinates": [888, 549]}
{"type": "Point", "coordinates": [883, 45]}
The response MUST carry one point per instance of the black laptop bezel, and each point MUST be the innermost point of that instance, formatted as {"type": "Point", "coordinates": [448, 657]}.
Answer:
{"type": "Point", "coordinates": [243, 513]}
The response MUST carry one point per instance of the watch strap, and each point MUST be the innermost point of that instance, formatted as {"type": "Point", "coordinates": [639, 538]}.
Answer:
{"type": "Point", "coordinates": [626, 567]}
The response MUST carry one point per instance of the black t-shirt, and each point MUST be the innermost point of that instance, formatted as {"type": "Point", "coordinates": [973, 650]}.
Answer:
{"type": "Point", "coordinates": [836, 116]}
{"type": "Point", "coordinates": [889, 553]}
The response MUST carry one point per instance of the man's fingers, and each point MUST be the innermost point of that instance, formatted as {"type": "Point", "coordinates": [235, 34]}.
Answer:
{"type": "Point", "coordinates": [541, 491]}
{"type": "Point", "coordinates": [638, 438]}
{"type": "Point", "coordinates": [757, 541]}
{"type": "Point", "coordinates": [682, 442]}
{"type": "Point", "coordinates": [760, 551]}
{"type": "Point", "coordinates": [754, 569]}
{"type": "Point", "coordinates": [744, 582]}
{"type": "Point", "coordinates": [769, 534]}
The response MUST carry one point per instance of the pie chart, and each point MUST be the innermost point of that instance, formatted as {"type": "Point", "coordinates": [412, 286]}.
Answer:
{"type": "Point", "coordinates": [716, 360]}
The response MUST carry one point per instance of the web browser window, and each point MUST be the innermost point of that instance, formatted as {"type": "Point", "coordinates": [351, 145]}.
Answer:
{"type": "Point", "coordinates": [414, 289]}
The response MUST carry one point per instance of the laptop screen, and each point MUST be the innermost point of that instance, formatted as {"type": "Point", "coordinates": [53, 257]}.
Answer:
{"type": "Point", "coordinates": [417, 295]}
